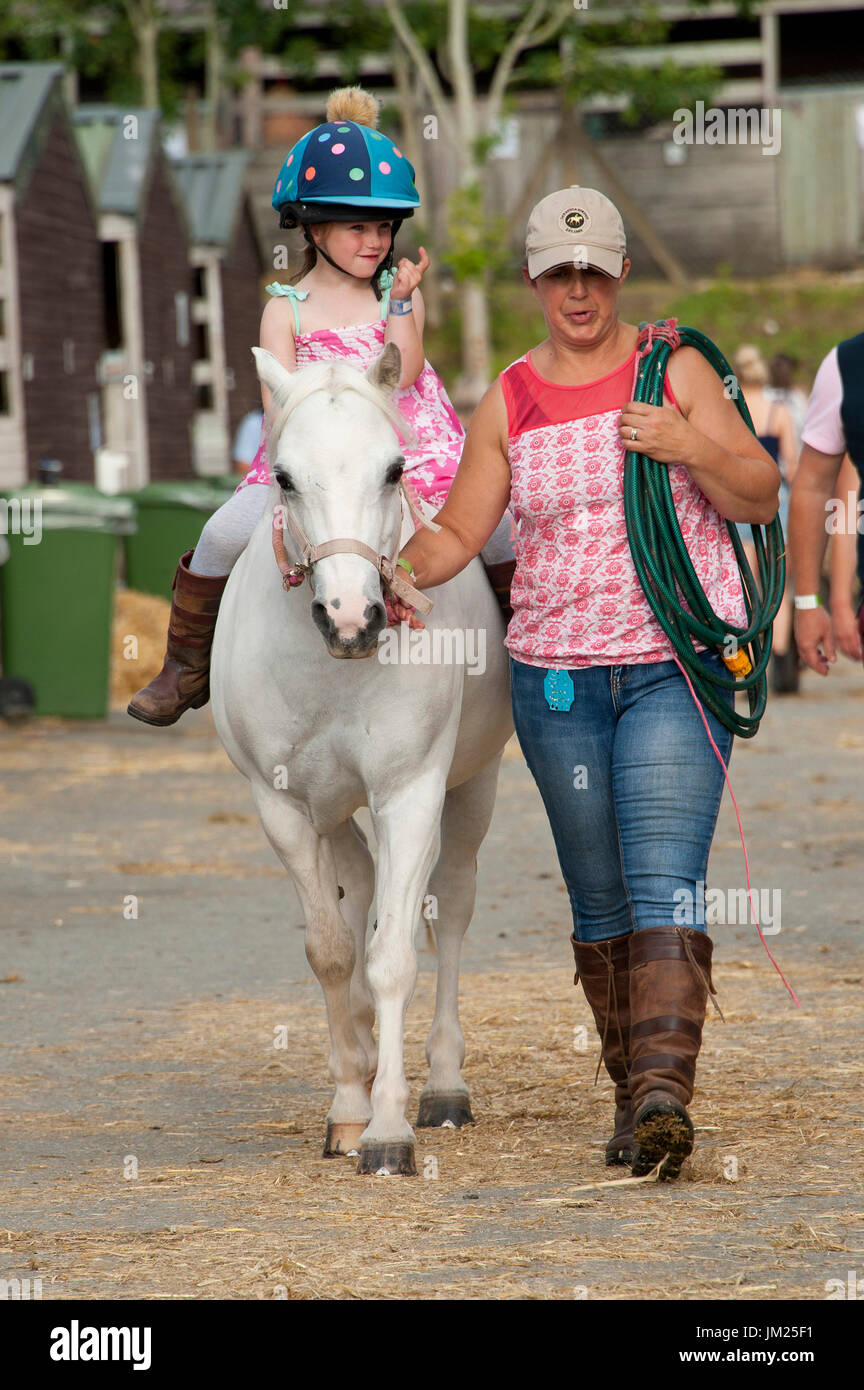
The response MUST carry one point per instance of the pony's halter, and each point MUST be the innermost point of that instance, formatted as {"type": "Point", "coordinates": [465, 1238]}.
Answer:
{"type": "Point", "coordinates": [393, 577]}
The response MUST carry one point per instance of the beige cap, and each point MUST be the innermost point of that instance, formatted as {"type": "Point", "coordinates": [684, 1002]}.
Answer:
{"type": "Point", "coordinates": [575, 226]}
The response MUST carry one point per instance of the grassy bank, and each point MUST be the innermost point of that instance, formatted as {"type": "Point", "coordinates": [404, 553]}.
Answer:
{"type": "Point", "coordinates": [802, 313]}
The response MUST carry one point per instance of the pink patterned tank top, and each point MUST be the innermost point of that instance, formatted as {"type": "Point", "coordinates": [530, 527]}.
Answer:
{"type": "Point", "coordinates": [427, 408]}
{"type": "Point", "coordinates": [576, 597]}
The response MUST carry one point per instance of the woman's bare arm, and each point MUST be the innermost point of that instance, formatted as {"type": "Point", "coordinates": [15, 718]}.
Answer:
{"type": "Point", "coordinates": [476, 502]}
{"type": "Point", "coordinates": [738, 476]}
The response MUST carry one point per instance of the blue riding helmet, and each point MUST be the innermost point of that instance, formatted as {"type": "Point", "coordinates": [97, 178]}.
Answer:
{"type": "Point", "coordinates": [340, 166]}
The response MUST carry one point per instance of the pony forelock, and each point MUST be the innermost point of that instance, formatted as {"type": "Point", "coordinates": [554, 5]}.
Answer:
{"type": "Point", "coordinates": [336, 378]}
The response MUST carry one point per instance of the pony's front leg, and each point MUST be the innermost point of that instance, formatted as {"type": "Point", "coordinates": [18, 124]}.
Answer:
{"type": "Point", "coordinates": [330, 950]}
{"type": "Point", "coordinates": [356, 870]}
{"type": "Point", "coordinates": [467, 815]}
{"type": "Point", "coordinates": [408, 831]}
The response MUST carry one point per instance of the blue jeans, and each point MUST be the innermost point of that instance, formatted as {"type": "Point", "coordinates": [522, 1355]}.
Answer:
{"type": "Point", "coordinates": [632, 789]}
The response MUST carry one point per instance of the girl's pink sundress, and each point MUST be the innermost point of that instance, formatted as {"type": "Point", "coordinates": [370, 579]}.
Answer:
{"type": "Point", "coordinates": [425, 404]}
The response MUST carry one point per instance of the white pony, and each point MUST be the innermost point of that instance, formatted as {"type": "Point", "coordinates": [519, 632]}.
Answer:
{"type": "Point", "coordinates": [409, 732]}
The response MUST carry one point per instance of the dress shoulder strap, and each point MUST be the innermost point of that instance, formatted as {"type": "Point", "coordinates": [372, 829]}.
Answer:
{"type": "Point", "coordinates": [277, 289]}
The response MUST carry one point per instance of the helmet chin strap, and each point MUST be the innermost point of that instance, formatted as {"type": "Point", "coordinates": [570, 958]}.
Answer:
{"type": "Point", "coordinates": [382, 265]}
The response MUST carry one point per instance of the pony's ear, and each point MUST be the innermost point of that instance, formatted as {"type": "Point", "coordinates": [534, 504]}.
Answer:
{"type": "Point", "coordinates": [272, 373]}
{"type": "Point", "coordinates": [386, 370]}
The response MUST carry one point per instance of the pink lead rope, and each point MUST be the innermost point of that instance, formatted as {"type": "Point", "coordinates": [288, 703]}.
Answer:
{"type": "Point", "coordinates": [667, 332]}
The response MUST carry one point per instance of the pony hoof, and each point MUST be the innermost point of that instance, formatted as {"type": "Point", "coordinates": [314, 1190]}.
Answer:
{"type": "Point", "coordinates": [341, 1139]}
{"type": "Point", "coordinates": [451, 1110]}
{"type": "Point", "coordinates": [387, 1159]}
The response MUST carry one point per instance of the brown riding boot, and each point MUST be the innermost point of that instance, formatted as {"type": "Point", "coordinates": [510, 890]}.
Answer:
{"type": "Point", "coordinates": [604, 969]}
{"type": "Point", "coordinates": [184, 681]}
{"type": "Point", "coordinates": [670, 978]}
{"type": "Point", "coordinates": [501, 577]}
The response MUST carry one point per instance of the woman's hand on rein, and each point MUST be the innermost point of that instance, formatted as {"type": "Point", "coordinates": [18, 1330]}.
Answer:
{"type": "Point", "coordinates": [399, 612]}
{"type": "Point", "coordinates": [408, 276]}
{"type": "Point", "coordinates": [662, 433]}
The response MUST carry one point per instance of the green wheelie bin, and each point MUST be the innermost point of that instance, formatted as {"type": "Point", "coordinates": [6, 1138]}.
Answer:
{"type": "Point", "coordinates": [171, 517]}
{"type": "Point", "coordinates": [57, 593]}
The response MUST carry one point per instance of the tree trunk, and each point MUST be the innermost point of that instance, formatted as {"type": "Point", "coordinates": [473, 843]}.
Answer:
{"type": "Point", "coordinates": [190, 113]}
{"type": "Point", "coordinates": [250, 99]}
{"type": "Point", "coordinates": [412, 148]}
{"type": "Point", "coordinates": [474, 377]}
{"type": "Point", "coordinates": [147, 33]}
{"type": "Point", "coordinates": [214, 63]}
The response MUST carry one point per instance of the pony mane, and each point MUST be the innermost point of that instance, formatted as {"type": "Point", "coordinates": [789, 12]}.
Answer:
{"type": "Point", "coordinates": [335, 377]}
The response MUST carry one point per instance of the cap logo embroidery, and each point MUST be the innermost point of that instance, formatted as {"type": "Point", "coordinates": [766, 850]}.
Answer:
{"type": "Point", "coordinates": [575, 219]}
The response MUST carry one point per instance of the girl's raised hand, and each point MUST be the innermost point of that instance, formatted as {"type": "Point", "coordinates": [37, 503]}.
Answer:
{"type": "Point", "coordinates": [408, 276]}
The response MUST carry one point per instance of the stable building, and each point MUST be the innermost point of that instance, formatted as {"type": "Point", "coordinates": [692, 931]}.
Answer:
{"type": "Point", "coordinates": [226, 306]}
{"type": "Point", "coordinates": [148, 389]}
{"type": "Point", "coordinates": [51, 306]}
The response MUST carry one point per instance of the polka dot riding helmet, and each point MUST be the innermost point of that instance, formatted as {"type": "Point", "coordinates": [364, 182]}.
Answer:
{"type": "Point", "coordinates": [340, 169]}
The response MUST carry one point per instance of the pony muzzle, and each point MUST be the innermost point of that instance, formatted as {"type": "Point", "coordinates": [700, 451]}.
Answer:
{"type": "Point", "coordinates": [350, 628]}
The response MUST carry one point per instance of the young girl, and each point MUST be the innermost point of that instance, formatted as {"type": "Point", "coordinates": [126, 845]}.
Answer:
{"type": "Point", "coordinates": [349, 188]}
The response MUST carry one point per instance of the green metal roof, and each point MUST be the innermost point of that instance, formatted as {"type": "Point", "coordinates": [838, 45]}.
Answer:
{"type": "Point", "coordinates": [211, 186]}
{"type": "Point", "coordinates": [24, 90]}
{"type": "Point", "coordinates": [117, 144]}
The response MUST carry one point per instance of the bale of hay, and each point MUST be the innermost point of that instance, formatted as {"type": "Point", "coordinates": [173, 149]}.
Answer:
{"type": "Point", "coordinates": [137, 643]}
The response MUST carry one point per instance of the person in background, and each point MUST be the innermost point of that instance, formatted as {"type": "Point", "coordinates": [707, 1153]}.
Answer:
{"type": "Point", "coordinates": [833, 428]}
{"type": "Point", "coordinates": [782, 370]}
{"type": "Point", "coordinates": [246, 441]}
{"type": "Point", "coordinates": [842, 566]}
{"type": "Point", "coordinates": [774, 429]}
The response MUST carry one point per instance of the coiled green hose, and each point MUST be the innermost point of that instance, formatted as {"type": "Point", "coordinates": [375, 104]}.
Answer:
{"type": "Point", "coordinates": [666, 571]}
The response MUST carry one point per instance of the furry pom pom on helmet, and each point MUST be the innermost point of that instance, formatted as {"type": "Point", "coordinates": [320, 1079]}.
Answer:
{"type": "Point", "coordinates": [353, 104]}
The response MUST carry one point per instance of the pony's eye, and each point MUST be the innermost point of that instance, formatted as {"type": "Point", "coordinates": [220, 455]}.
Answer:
{"type": "Point", "coordinates": [395, 471]}
{"type": "Point", "coordinates": [284, 481]}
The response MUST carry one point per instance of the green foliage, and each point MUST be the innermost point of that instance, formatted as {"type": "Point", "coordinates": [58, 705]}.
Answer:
{"type": "Point", "coordinates": [246, 22]}
{"type": "Point", "coordinates": [588, 67]}
{"type": "Point", "coordinates": [352, 29]}
{"type": "Point", "coordinates": [811, 313]}
{"type": "Point", "coordinates": [63, 31]}
{"type": "Point", "coordinates": [476, 243]}
{"type": "Point", "coordinates": [655, 94]}
{"type": "Point", "coordinates": [299, 54]}
{"type": "Point", "coordinates": [359, 28]}
{"type": "Point", "coordinates": [803, 317]}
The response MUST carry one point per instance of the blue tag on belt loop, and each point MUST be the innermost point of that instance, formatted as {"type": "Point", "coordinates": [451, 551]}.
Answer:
{"type": "Point", "coordinates": [558, 689]}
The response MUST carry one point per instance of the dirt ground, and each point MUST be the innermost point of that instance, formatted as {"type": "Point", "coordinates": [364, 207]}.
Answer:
{"type": "Point", "coordinates": [156, 1143]}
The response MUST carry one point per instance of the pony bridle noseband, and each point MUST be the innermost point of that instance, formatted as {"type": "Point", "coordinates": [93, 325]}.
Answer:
{"type": "Point", "coordinates": [394, 577]}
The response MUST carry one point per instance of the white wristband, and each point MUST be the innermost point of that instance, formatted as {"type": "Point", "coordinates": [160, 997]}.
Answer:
{"type": "Point", "coordinates": [808, 601]}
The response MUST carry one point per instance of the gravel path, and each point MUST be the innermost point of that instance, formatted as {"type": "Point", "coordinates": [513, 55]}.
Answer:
{"type": "Point", "coordinates": [145, 1045]}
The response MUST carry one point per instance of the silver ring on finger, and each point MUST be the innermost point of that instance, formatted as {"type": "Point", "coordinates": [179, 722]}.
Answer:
{"type": "Point", "coordinates": [633, 433]}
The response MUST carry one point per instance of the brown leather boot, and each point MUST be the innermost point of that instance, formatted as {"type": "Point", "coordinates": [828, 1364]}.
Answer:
{"type": "Point", "coordinates": [604, 969]}
{"type": "Point", "coordinates": [670, 978]}
{"type": "Point", "coordinates": [184, 681]}
{"type": "Point", "coordinates": [501, 577]}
